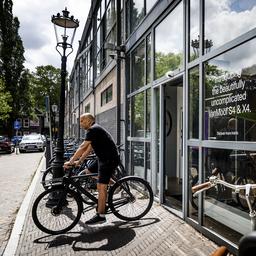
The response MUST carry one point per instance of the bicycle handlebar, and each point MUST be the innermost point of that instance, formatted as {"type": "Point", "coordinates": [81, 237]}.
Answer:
{"type": "Point", "coordinates": [202, 187]}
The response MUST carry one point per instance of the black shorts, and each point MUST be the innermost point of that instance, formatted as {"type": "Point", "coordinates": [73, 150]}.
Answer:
{"type": "Point", "coordinates": [106, 169]}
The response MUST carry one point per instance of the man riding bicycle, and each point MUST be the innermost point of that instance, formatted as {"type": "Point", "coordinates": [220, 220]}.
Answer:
{"type": "Point", "coordinates": [103, 145]}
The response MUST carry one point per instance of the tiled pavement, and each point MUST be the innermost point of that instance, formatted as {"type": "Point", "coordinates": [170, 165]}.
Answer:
{"type": "Point", "coordinates": [158, 233]}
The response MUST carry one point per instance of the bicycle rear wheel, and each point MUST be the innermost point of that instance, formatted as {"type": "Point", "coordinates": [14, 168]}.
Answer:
{"type": "Point", "coordinates": [130, 198]}
{"type": "Point", "coordinates": [57, 216]}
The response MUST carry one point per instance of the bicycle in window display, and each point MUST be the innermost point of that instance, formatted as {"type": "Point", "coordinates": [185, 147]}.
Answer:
{"type": "Point", "coordinates": [247, 244]}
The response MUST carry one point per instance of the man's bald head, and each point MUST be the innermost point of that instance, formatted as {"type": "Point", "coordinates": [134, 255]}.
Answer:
{"type": "Point", "coordinates": [86, 120]}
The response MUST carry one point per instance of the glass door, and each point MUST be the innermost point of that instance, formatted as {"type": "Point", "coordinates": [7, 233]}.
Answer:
{"type": "Point", "coordinates": [173, 149]}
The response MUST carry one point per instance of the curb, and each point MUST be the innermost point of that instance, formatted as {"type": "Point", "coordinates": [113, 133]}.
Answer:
{"type": "Point", "coordinates": [20, 218]}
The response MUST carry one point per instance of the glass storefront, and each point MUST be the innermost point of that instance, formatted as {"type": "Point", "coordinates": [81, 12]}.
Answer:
{"type": "Point", "coordinates": [169, 43]}
{"type": "Point", "coordinates": [230, 95]}
{"type": "Point", "coordinates": [219, 108]}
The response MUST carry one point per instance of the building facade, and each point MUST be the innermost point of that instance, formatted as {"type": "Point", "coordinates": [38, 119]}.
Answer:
{"type": "Point", "coordinates": [175, 82]}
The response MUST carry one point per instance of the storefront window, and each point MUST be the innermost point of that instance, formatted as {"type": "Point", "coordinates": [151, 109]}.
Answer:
{"type": "Point", "coordinates": [148, 63]}
{"type": "Point", "coordinates": [137, 159]}
{"type": "Point", "coordinates": [236, 167]}
{"type": "Point", "coordinates": [193, 174]}
{"type": "Point", "coordinates": [148, 172]}
{"type": "Point", "coordinates": [138, 67]}
{"type": "Point", "coordinates": [194, 29]}
{"type": "Point", "coordinates": [230, 95]}
{"type": "Point", "coordinates": [111, 15]}
{"type": "Point", "coordinates": [226, 20]}
{"type": "Point", "coordinates": [169, 43]}
{"type": "Point", "coordinates": [137, 13]}
{"type": "Point", "coordinates": [193, 103]}
{"type": "Point", "coordinates": [148, 113]}
{"type": "Point", "coordinates": [137, 112]}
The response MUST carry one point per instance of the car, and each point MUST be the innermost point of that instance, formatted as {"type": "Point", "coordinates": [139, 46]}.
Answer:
{"type": "Point", "coordinates": [31, 142]}
{"type": "Point", "coordinates": [6, 145]}
{"type": "Point", "coordinates": [44, 139]}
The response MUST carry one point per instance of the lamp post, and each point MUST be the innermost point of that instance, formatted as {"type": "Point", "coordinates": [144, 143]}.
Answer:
{"type": "Point", "coordinates": [66, 25]}
{"type": "Point", "coordinates": [54, 111]}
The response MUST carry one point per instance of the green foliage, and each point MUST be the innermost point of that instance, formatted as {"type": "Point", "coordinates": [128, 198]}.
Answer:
{"type": "Point", "coordinates": [138, 112]}
{"type": "Point", "coordinates": [26, 101]}
{"type": "Point", "coordinates": [166, 62]}
{"type": "Point", "coordinates": [45, 81]}
{"type": "Point", "coordinates": [5, 100]}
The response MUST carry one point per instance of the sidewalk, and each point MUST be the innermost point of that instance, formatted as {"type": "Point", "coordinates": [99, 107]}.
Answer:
{"type": "Point", "coordinates": [158, 233]}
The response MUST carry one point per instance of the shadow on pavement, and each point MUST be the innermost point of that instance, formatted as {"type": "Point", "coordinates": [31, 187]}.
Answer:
{"type": "Point", "coordinates": [105, 238]}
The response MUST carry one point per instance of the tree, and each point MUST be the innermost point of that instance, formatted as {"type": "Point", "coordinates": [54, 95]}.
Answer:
{"type": "Point", "coordinates": [45, 81]}
{"type": "Point", "coordinates": [26, 101]}
{"type": "Point", "coordinates": [12, 54]}
{"type": "Point", "coordinates": [5, 99]}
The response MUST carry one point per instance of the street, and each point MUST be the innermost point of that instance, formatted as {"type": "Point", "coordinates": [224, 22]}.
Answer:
{"type": "Point", "coordinates": [16, 173]}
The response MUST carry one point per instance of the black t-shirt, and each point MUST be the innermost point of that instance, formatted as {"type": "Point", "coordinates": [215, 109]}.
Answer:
{"type": "Point", "coordinates": [102, 143]}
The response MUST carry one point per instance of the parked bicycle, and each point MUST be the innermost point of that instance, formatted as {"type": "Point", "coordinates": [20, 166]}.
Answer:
{"type": "Point", "coordinates": [247, 244]}
{"type": "Point", "coordinates": [47, 176]}
{"type": "Point", "coordinates": [130, 198]}
{"type": "Point", "coordinates": [80, 170]}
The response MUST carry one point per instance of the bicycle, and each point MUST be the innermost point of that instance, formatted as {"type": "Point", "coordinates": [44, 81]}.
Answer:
{"type": "Point", "coordinates": [80, 170]}
{"type": "Point", "coordinates": [47, 176]}
{"type": "Point", "coordinates": [129, 199]}
{"type": "Point", "coordinates": [247, 243]}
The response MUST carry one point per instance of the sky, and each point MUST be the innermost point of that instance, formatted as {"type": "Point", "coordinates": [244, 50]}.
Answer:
{"type": "Point", "coordinates": [37, 31]}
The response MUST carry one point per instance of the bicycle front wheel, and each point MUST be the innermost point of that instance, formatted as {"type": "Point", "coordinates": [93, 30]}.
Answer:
{"type": "Point", "coordinates": [130, 198]}
{"type": "Point", "coordinates": [57, 210]}
{"type": "Point", "coordinates": [47, 178]}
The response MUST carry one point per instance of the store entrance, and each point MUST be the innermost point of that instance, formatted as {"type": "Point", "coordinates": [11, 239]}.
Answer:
{"type": "Point", "coordinates": [173, 150]}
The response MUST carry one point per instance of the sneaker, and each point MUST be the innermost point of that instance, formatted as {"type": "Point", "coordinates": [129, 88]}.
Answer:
{"type": "Point", "coordinates": [97, 219]}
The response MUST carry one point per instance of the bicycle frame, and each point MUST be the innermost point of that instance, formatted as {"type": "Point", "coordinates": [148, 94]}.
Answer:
{"type": "Point", "coordinates": [74, 181]}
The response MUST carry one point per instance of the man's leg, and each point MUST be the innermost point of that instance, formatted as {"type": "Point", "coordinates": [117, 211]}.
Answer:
{"type": "Point", "coordinates": [102, 197]}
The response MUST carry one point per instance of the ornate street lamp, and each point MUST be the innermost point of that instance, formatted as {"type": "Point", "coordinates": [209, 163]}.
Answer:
{"type": "Point", "coordinates": [66, 25]}
{"type": "Point", "coordinates": [54, 111]}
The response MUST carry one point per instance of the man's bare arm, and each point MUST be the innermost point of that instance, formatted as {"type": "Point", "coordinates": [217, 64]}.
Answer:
{"type": "Point", "coordinates": [79, 152]}
{"type": "Point", "coordinates": [85, 154]}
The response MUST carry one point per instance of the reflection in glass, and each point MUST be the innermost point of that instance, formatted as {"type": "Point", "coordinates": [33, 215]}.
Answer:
{"type": "Point", "coordinates": [226, 20]}
{"type": "Point", "coordinates": [149, 4]}
{"type": "Point", "coordinates": [169, 43]}
{"type": "Point", "coordinates": [137, 13]}
{"type": "Point", "coordinates": [138, 67]}
{"type": "Point", "coordinates": [194, 29]}
{"type": "Point", "coordinates": [230, 95]}
{"type": "Point", "coordinates": [148, 113]}
{"type": "Point", "coordinates": [193, 87]}
{"type": "Point", "coordinates": [137, 156]}
{"type": "Point", "coordinates": [236, 167]}
{"type": "Point", "coordinates": [137, 112]}
{"type": "Point", "coordinates": [148, 63]}
{"type": "Point", "coordinates": [193, 174]}
{"type": "Point", "coordinates": [148, 173]}
{"type": "Point", "coordinates": [110, 15]}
